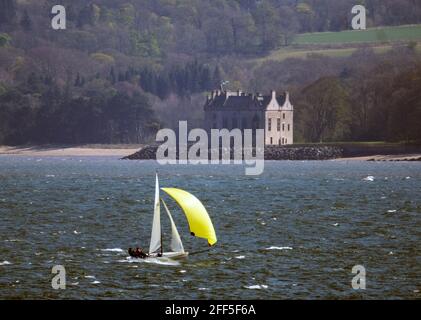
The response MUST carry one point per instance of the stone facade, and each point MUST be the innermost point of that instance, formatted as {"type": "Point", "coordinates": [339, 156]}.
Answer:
{"type": "Point", "coordinates": [273, 113]}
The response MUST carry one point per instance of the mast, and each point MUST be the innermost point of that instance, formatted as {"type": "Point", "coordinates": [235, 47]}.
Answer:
{"type": "Point", "coordinates": [162, 247]}
{"type": "Point", "coordinates": [160, 225]}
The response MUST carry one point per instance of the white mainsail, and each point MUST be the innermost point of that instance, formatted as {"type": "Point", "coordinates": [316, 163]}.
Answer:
{"type": "Point", "coordinates": [176, 244]}
{"type": "Point", "coordinates": [156, 226]}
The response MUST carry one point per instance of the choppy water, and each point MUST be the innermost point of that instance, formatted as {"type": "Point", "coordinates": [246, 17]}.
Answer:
{"type": "Point", "coordinates": [295, 232]}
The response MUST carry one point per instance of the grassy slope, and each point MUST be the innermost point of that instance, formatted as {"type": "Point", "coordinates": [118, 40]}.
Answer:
{"type": "Point", "coordinates": [315, 43]}
{"type": "Point", "coordinates": [400, 33]}
{"type": "Point", "coordinates": [282, 54]}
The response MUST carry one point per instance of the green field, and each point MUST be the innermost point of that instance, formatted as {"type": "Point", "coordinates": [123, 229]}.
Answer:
{"type": "Point", "coordinates": [345, 43]}
{"type": "Point", "coordinates": [282, 54]}
{"type": "Point", "coordinates": [384, 34]}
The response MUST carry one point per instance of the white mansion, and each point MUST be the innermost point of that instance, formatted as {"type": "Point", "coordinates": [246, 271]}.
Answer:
{"type": "Point", "coordinates": [274, 113]}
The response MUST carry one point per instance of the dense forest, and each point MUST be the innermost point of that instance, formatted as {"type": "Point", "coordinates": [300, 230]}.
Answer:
{"type": "Point", "coordinates": [123, 69]}
{"type": "Point", "coordinates": [364, 97]}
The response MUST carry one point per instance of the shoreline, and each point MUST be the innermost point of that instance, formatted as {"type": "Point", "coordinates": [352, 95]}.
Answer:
{"type": "Point", "coordinates": [123, 151]}
{"type": "Point", "coordinates": [70, 151]}
{"type": "Point", "coordinates": [383, 158]}
{"type": "Point", "coordinates": [303, 153]}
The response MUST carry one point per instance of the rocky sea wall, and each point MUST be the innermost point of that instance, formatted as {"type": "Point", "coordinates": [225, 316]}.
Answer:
{"type": "Point", "coordinates": [271, 153]}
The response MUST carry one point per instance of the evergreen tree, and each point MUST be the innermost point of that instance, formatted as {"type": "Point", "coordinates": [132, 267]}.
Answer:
{"type": "Point", "coordinates": [121, 77]}
{"type": "Point", "coordinates": [163, 86]}
{"type": "Point", "coordinates": [205, 79]}
{"type": "Point", "coordinates": [217, 77]}
{"type": "Point", "coordinates": [112, 76]}
{"type": "Point", "coordinates": [78, 80]}
{"type": "Point", "coordinates": [7, 12]}
{"type": "Point", "coordinates": [26, 22]}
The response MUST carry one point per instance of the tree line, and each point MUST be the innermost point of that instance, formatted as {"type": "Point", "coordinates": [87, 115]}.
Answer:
{"type": "Point", "coordinates": [40, 112]}
{"type": "Point", "coordinates": [380, 101]}
{"type": "Point", "coordinates": [146, 28]}
{"type": "Point", "coordinates": [102, 79]}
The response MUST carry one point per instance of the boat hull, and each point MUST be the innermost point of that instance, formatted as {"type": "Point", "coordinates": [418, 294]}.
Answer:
{"type": "Point", "coordinates": [172, 255]}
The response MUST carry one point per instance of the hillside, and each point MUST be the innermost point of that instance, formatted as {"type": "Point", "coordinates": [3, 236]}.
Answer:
{"type": "Point", "coordinates": [122, 70]}
{"type": "Point", "coordinates": [304, 53]}
{"type": "Point", "coordinates": [345, 43]}
{"type": "Point", "coordinates": [371, 35]}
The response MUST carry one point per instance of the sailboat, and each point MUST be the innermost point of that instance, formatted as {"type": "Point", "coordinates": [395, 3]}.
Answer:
{"type": "Point", "coordinates": [198, 219]}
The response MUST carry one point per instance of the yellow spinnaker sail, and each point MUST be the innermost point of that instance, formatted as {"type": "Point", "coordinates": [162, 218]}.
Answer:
{"type": "Point", "coordinates": [199, 221]}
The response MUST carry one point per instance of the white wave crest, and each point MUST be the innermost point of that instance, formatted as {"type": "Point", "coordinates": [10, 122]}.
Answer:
{"type": "Point", "coordinates": [257, 287]}
{"type": "Point", "coordinates": [279, 248]}
{"type": "Point", "coordinates": [113, 250]}
{"type": "Point", "coordinates": [369, 178]}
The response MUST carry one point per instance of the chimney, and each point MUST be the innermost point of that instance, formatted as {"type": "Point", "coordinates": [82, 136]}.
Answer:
{"type": "Point", "coordinates": [273, 93]}
{"type": "Point", "coordinates": [240, 93]}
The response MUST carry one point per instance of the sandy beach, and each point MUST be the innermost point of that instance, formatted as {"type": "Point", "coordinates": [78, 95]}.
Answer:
{"type": "Point", "coordinates": [70, 151]}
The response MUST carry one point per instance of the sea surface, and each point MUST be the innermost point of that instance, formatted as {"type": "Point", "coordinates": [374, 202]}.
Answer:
{"type": "Point", "coordinates": [295, 232]}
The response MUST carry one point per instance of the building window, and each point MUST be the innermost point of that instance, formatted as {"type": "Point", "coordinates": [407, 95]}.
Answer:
{"type": "Point", "coordinates": [289, 127]}
{"type": "Point", "coordinates": [283, 116]}
{"type": "Point", "coordinates": [283, 127]}
{"type": "Point", "coordinates": [271, 140]}
{"type": "Point", "coordinates": [283, 140]}
{"type": "Point", "coordinates": [279, 124]}
{"type": "Point", "coordinates": [286, 141]}
{"type": "Point", "coordinates": [270, 124]}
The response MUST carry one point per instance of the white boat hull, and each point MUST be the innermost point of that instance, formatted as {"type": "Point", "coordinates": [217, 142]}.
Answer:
{"type": "Point", "coordinates": [170, 255]}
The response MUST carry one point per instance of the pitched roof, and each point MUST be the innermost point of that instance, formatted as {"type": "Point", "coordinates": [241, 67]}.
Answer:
{"type": "Point", "coordinates": [235, 100]}
{"type": "Point", "coordinates": [281, 99]}
{"type": "Point", "coordinates": [240, 102]}
{"type": "Point", "coordinates": [228, 101]}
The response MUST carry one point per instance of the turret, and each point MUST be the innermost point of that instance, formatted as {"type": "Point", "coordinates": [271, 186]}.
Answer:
{"type": "Point", "coordinates": [273, 93]}
{"type": "Point", "coordinates": [287, 97]}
